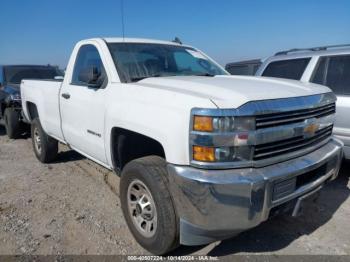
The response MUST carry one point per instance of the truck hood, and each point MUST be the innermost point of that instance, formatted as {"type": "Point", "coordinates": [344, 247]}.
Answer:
{"type": "Point", "coordinates": [12, 88]}
{"type": "Point", "coordinates": [234, 91]}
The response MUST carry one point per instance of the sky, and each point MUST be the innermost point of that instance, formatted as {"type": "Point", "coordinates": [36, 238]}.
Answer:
{"type": "Point", "coordinates": [45, 32]}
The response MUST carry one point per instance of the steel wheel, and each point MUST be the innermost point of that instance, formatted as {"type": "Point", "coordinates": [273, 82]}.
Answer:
{"type": "Point", "coordinates": [142, 208]}
{"type": "Point", "coordinates": [37, 140]}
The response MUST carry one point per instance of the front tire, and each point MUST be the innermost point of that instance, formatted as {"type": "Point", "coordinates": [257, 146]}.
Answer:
{"type": "Point", "coordinates": [45, 147]}
{"type": "Point", "coordinates": [147, 205]}
{"type": "Point", "coordinates": [13, 124]}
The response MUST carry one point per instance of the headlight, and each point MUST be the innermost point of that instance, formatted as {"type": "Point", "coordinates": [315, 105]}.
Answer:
{"type": "Point", "coordinates": [213, 124]}
{"type": "Point", "coordinates": [222, 123]}
{"type": "Point", "coordinates": [219, 140]}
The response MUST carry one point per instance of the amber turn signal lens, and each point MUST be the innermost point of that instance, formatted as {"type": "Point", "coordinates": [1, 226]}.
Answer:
{"type": "Point", "coordinates": [203, 123]}
{"type": "Point", "coordinates": [204, 154]}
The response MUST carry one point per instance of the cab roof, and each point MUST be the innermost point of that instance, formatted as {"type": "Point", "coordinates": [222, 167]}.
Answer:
{"type": "Point", "coordinates": [138, 40]}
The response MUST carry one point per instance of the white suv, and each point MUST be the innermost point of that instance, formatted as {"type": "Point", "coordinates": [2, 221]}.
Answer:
{"type": "Point", "coordinates": [330, 66]}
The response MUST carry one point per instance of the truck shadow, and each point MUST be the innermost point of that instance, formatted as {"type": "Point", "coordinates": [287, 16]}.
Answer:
{"type": "Point", "coordinates": [68, 156]}
{"type": "Point", "coordinates": [281, 231]}
{"type": "Point", "coordinates": [24, 135]}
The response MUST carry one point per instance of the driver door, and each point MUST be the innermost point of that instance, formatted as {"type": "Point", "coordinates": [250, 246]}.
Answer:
{"type": "Point", "coordinates": [83, 105]}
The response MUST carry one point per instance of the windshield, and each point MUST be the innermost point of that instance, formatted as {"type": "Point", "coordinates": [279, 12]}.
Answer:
{"type": "Point", "coordinates": [15, 74]}
{"type": "Point", "coordinates": [136, 61]}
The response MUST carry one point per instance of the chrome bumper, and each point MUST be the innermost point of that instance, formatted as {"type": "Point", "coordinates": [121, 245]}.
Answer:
{"type": "Point", "coordinates": [217, 204]}
{"type": "Point", "coordinates": [345, 138]}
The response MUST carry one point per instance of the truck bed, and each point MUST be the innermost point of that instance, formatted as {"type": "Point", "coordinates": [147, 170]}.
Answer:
{"type": "Point", "coordinates": [46, 94]}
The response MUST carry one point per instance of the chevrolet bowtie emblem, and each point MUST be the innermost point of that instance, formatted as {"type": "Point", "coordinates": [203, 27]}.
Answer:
{"type": "Point", "coordinates": [311, 128]}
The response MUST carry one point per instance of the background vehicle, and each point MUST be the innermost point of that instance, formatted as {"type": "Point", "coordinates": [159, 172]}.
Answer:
{"type": "Point", "coordinates": [327, 65]}
{"type": "Point", "coordinates": [10, 96]}
{"type": "Point", "coordinates": [248, 67]}
{"type": "Point", "coordinates": [202, 155]}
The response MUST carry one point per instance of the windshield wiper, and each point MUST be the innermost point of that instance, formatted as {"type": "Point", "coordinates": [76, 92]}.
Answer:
{"type": "Point", "coordinates": [136, 79]}
{"type": "Point", "coordinates": [204, 74]}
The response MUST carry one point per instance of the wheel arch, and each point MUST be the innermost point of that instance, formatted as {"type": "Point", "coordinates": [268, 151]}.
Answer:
{"type": "Point", "coordinates": [127, 145]}
{"type": "Point", "coordinates": [32, 111]}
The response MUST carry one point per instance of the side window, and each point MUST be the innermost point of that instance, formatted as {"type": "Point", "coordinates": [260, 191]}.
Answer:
{"type": "Point", "coordinates": [290, 69]}
{"type": "Point", "coordinates": [338, 74]}
{"type": "Point", "coordinates": [88, 57]}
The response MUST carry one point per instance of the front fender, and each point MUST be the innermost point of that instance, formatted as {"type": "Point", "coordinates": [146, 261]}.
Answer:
{"type": "Point", "coordinates": [168, 127]}
{"type": "Point", "coordinates": [160, 114]}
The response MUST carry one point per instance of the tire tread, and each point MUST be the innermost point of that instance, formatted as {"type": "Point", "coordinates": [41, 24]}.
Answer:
{"type": "Point", "coordinates": [49, 145]}
{"type": "Point", "coordinates": [154, 168]}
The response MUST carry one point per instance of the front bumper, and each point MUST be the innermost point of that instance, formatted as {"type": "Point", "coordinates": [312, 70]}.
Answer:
{"type": "Point", "coordinates": [345, 138]}
{"type": "Point", "coordinates": [217, 204]}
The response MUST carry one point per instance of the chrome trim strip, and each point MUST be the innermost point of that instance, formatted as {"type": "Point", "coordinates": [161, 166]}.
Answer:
{"type": "Point", "coordinates": [219, 139]}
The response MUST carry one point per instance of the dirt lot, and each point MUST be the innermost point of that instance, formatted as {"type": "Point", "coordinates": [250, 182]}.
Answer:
{"type": "Point", "coordinates": [69, 208]}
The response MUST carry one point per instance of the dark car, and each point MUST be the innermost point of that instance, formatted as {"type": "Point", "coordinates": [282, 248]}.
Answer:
{"type": "Point", "coordinates": [10, 95]}
{"type": "Point", "coordinates": [248, 67]}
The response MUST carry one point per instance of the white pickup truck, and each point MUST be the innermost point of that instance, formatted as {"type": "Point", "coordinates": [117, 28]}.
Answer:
{"type": "Point", "coordinates": [202, 155]}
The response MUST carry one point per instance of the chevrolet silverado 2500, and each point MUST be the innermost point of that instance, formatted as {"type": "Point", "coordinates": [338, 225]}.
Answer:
{"type": "Point", "coordinates": [202, 155]}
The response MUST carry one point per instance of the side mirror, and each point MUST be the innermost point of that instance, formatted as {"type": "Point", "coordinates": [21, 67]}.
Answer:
{"type": "Point", "coordinates": [90, 75]}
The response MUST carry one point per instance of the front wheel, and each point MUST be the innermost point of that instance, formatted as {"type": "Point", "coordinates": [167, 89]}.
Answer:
{"type": "Point", "coordinates": [147, 205]}
{"type": "Point", "coordinates": [45, 147]}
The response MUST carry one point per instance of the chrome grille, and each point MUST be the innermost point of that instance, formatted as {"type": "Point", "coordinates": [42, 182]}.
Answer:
{"type": "Point", "coordinates": [284, 129]}
{"type": "Point", "coordinates": [276, 148]}
{"type": "Point", "coordinates": [285, 118]}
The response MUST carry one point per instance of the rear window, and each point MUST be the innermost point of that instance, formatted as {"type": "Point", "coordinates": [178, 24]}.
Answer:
{"type": "Point", "coordinates": [290, 69]}
{"type": "Point", "coordinates": [334, 72]}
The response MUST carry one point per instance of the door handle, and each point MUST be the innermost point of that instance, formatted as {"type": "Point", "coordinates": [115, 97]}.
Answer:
{"type": "Point", "coordinates": [66, 95]}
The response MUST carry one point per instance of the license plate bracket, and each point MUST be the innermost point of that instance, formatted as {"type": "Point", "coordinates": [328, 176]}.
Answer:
{"type": "Point", "coordinates": [299, 206]}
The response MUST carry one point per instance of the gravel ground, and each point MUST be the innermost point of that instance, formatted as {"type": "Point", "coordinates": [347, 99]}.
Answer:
{"type": "Point", "coordinates": [72, 207]}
